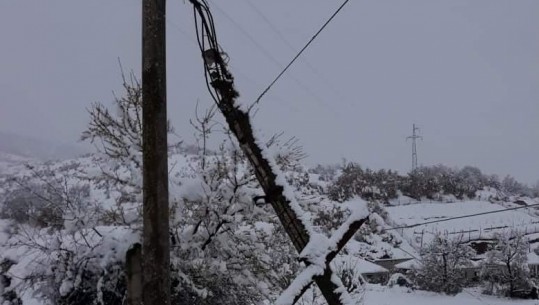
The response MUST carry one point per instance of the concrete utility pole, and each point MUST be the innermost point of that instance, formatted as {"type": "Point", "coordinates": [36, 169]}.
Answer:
{"type": "Point", "coordinates": [221, 86]}
{"type": "Point", "coordinates": [156, 242]}
{"type": "Point", "coordinates": [414, 137]}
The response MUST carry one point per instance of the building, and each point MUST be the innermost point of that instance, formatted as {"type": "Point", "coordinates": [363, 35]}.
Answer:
{"type": "Point", "coordinates": [369, 271]}
{"type": "Point", "coordinates": [391, 263]}
{"type": "Point", "coordinates": [373, 273]}
{"type": "Point", "coordinates": [533, 264]}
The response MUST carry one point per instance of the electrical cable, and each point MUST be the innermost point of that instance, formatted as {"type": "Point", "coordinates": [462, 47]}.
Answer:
{"type": "Point", "coordinates": [461, 217]}
{"type": "Point", "coordinates": [292, 48]}
{"type": "Point", "coordinates": [268, 55]}
{"type": "Point", "coordinates": [299, 53]}
{"type": "Point", "coordinates": [205, 32]}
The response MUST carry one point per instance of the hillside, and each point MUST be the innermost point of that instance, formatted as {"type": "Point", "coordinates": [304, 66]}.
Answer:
{"type": "Point", "coordinates": [87, 210]}
{"type": "Point", "coordinates": [473, 228]}
{"type": "Point", "coordinates": [28, 147]}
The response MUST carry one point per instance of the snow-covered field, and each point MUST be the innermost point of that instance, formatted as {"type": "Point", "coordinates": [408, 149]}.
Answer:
{"type": "Point", "coordinates": [383, 295]}
{"type": "Point", "coordinates": [482, 226]}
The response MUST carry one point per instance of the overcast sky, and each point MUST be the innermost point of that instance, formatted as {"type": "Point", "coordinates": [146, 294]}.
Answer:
{"type": "Point", "coordinates": [466, 72]}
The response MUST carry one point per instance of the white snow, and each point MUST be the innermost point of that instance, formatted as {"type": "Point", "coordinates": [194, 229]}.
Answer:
{"type": "Point", "coordinates": [383, 295]}
{"type": "Point", "coordinates": [112, 245]}
{"type": "Point", "coordinates": [301, 280]}
{"type": "Point", "coordinates": [359, 265]}
{"type": "Point", "coordinates": [409, 264]}
{"type": "Point", "coordinates": [304, 216]}
{"type": "Point", "coordinates": [483, 226]}
{"type": "Point", "coordinates": [316, 249]}
{"type": "Point", "coordinates": [533, 258]}
{"type": "Point", "coordinates": [359, 210]}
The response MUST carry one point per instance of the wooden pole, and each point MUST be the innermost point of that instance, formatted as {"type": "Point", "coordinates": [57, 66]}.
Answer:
{"type": "Point", "coordinates": [156, 243]}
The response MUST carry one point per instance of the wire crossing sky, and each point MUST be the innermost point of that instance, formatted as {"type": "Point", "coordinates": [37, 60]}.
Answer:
{"type": "Point", "coordinates": [462, 216]}
{"type": "Point", "coordinates": [465, 71]}
{"type": "Point", "coordinates": [301, 52]}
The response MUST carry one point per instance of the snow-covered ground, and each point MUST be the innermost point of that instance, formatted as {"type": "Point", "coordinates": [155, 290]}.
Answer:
{"type": "Point", "coordinates": [376, 245]}
{"type": "Point", "coordinates": [383, 295]}
{"type": "Point", "coordinates": [482, 226]}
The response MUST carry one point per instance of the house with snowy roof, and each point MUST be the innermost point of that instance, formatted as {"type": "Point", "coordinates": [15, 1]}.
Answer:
{"type": "Point", "coordinates": [391, 263]}
{"type": "Point", "coordinates": [371, 272]}
{"type": "Point", "coordinates": [533, 263]}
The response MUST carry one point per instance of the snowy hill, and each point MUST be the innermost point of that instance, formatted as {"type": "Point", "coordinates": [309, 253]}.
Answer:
{"type": "Point", "coordinates": [9, 160]}
{"type": "Point", "coordinates": [473, 228]}
{"type": "Point", "coordinates": [88, 210]}
{"type": "Point", "coordinates": [28, 147]}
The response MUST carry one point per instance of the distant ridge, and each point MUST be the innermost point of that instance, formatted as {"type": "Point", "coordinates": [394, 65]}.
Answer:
{"type": "Point", "coordinates": [28, 147]}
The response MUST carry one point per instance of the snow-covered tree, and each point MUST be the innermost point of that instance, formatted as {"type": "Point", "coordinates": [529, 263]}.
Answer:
{"type": "Point", "coordinates": [442, 265]}
{"type": "Point", "coordinates": [506, 263]}
{"type": "Point", "coordinates": [118, 133]}
{"type": "Point", "coordinates": [472, 180]}
{"type": "Point", "coordinates": [511, 186]}
{"type": "Point", "coordinates": [365, 183]}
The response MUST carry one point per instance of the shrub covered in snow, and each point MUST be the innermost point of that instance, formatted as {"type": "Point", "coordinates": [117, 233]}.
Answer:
{"type": "Point", "coordinates": [399, 279]}
{"type": "Point", "coordinates": [364, 183]}
{"type": "Point", "coordinates": [505, 270]}
{"type": "Point", "coordinates": [430, 182]}
{"type": "Point", "coordinates": [442, 265]}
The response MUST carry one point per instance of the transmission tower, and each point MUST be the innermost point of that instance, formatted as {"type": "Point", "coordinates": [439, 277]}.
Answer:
{"type": "Point", "coordinates": [414, 137]}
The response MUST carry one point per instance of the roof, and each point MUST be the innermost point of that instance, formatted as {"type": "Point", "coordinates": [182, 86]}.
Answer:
{"type": "Point", "coordinates": [533, 258]}
{"type": "Point", "coordinates": [392, 259]}
{"type": "Point", "coordinates": [358, 264]}
{"type": "Point", "coordinates": [409, 264]}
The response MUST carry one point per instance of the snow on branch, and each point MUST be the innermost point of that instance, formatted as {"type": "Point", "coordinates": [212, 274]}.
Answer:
{"type": "Point", "coordinates": [297, 287]}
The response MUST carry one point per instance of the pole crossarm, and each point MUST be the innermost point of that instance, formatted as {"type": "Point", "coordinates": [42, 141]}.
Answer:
{"type": "Point", "coordinates": [318, 261]}
{"type": "Point", "coordinates": [220, 83]}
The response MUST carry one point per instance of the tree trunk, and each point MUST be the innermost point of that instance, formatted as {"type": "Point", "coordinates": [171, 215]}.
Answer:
{"type": "Point", "coordinates": [444, 276]}
{"type": "Point", "coordinates": [511, 283]}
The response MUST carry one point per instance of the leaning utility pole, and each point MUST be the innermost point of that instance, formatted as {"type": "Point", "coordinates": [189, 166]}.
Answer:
{"type": "Point", "coordinates": [221, 86]}
{"type": "Point", "coordinates": [414, 137]}
{"type": "Point", "coordinates": [156, 243]}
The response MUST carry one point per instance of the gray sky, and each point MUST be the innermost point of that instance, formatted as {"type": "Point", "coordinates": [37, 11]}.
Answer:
{"type": "Point", "coordinates": [466, 72]}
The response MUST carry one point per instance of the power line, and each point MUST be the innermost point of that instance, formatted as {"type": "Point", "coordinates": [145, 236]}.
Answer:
{"type": "Point", "coordinates": [268, 55]}
{"type": "Point", "coordinates": [270, 24]}
{"type": "Point", "coordinates": [246, 34]}
{"type": "Point", "coordinates": [462, 216]}
{"type": "Point", "coordinates": [239, 72]}
{"type": "Point", "coordinates": [300, 52]}
{"type": "Point", "coordinates": [291, 47]}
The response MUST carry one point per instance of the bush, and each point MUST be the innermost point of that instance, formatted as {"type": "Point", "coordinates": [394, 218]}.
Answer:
{"type": "Point", "coordinates": [399, 279]}
{"type": "Point", "coordinates": [367, 184]}
{"type": "Point", "coordinates": [505, 268]}
{"type": "Point", "coordinates": [38, 207]}
{"type": "Point", "coordinates": [442, 265]}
